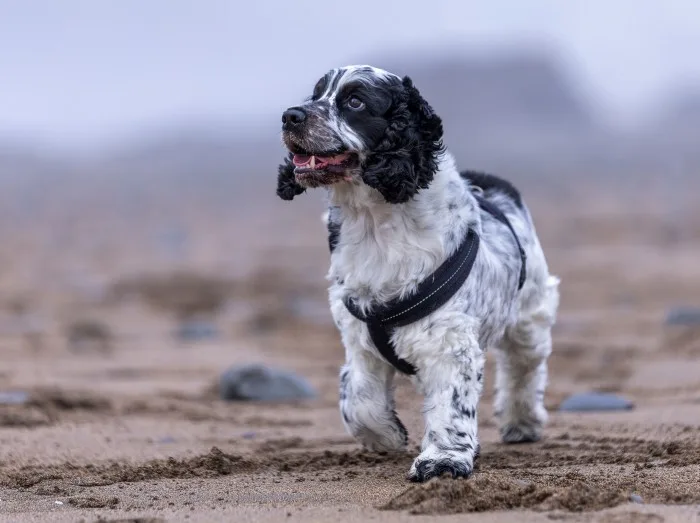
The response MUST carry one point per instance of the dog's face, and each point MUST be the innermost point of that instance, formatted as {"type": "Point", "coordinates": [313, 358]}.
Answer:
{"type": "Point", "coordinates": [342, 120]}
{"type": "Point", "coordinates": [361, 124]}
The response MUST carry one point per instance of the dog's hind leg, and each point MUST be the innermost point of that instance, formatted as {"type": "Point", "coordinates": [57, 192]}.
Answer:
{"type": "Point", "coordinates": [521, 369]}
{"type": "Point", "coordinates": [367, 403]}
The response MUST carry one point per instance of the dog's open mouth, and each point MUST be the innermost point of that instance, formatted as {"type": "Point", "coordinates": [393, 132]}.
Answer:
{"type": "Point", "coordinates": [317, 162]}
{"type": "Point", "coordinates": [323, 169]}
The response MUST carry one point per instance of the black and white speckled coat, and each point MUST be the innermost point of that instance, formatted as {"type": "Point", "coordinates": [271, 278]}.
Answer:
{"type": "Point", "coordinates": [401, 207]}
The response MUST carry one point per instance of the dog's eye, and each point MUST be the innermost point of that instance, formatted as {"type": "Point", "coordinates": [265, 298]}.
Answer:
{"type": "Point", "coordinates": [356, 104]}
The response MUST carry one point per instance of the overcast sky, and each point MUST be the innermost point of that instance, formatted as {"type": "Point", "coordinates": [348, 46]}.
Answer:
{"type": "Point", "coordinates": [86, 71]}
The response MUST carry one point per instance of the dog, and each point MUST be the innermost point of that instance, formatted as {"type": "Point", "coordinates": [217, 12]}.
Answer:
{"type": "Point", "coordinates": [399, 212]}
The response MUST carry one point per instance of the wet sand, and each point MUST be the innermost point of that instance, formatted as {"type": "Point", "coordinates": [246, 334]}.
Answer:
{"type": "Point", "coordinates": [132, 430]}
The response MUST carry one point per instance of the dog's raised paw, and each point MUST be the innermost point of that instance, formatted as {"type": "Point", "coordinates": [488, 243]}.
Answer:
{"type": "Point", "coordinates": [424, 470]}
{"type": "Point", "coordinates": [389, 438]}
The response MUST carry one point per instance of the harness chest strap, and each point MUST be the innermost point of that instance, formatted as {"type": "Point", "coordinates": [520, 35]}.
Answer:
{"type": "Point", "coordinates": [431, 294]}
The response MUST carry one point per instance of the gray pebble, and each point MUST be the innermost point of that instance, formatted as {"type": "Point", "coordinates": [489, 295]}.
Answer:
{"type": "Point", "coordinates": [197, 330]}
{"type": "Point", "coordinates": [594, 401]}
{"type": "Point", "coordinates": [636, 498]}
{"type": "Point", "coordinates": [686, 316]}
{"type": "Point", "coordinates": [261, 383]}
{"type": "Point", "coordinates": [13, 397]}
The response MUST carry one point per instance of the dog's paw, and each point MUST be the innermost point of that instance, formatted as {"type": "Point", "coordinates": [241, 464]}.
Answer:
{"type": "Point", "coordinates": [425, 469]}
{"type": "Point", "coordinates": [434, 462]}
{"type": "Point", "coordinates": [521, 433]}
{"type": "Point", "coordinates": [392, 437]}
{"type": "Point", "coordinates": [522, 425]}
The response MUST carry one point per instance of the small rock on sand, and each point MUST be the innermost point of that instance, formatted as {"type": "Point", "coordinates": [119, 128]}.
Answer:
{"type": "Point", "coordinates": [594, 401]}
{"type": "Point", "coordinates": [683, 316]}
{"type": "Point", "coordinates": [13, 397]}
{"type": "Point", "coordinates": [261, 383]}
{"type": "Point", "coordinates": [196, 330]}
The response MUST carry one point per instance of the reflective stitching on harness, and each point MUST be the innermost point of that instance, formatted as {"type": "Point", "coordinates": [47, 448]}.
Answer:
{"type": "Point", "coordinates": [380, 328]}
{"type": "Point", "coordinates": [471, 246]}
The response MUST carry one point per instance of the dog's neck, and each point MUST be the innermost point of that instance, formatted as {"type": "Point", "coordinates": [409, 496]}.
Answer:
{"type": "Point", "coordinates": [385, 249]}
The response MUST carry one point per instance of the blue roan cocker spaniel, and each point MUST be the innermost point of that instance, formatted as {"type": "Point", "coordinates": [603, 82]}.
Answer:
{"type": "Point", "coordinates": [430, 267]}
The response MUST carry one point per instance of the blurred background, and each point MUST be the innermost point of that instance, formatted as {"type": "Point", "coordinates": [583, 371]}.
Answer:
{"type": "Point", "coordinates": [143, 250]}
{"type": "Point", "coordinates": [140, 121]}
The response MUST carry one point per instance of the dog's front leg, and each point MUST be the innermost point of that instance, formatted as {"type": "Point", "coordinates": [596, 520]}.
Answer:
{"type": "Point", "coordinates": [367, 402]}
{"type": "Point", "coordinates": [451, 381]}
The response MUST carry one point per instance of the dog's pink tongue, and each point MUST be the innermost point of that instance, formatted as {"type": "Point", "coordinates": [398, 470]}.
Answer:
{"type": "Point", "coordinates": [305, 160]}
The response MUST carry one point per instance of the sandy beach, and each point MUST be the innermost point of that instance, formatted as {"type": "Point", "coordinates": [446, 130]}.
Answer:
{"type": "Point", "coordinates": [123, 423]}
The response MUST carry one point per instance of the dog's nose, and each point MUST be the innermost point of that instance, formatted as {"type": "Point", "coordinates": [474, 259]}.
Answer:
{"type": "Point", "coordinates": [293, 117]}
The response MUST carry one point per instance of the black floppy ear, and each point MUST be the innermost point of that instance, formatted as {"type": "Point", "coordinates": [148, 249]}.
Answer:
{"type": "Point", "coordinates": [428, 123]}
{"type": "Point", "coordinates": [406, 158]}
{"type": "Point", "coordinates": [287, 186]}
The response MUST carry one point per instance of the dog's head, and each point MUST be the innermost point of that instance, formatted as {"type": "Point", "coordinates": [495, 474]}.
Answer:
{"type": "Point", "coordinates": [361, 124]}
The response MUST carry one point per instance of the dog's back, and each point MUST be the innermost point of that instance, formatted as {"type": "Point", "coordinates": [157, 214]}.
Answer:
{"type": "Point", "coordinates": [489, 183]}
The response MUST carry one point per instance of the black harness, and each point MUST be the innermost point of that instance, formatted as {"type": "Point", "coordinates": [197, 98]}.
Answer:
{"type": "Point", "coordinates": [431, 294]}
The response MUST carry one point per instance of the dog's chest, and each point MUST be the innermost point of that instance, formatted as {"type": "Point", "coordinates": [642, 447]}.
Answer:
{"type": "Point", "coordinates": [380, 264]}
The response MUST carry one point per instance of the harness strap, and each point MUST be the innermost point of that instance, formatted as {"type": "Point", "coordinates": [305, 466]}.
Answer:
{"type": "Point", "coordinates": [497, 213]}
{"type": "Point", "coordinates": [430, 294]}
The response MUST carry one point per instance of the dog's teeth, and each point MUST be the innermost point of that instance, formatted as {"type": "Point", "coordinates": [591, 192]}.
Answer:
{"type": "Point", "coordinates": [313, 162]}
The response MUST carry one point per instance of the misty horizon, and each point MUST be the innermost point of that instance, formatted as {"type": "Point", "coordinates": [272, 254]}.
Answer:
{"type": "Point", "coordinates": [83, 74]}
